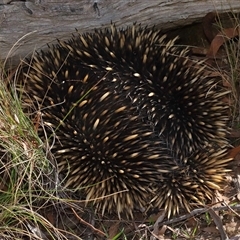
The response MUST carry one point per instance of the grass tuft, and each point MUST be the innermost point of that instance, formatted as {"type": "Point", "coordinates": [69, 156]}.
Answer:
{"type": "Point", "coordinates": [28, 180]}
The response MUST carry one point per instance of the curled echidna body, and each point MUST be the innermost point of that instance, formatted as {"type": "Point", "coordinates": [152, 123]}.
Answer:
{"type": "Point", "coordinates": [193, 182]}
{"type": "Point", "coordinates": [130, 114]}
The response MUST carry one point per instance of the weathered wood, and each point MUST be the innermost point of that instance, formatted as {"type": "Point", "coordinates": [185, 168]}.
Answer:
{"type": "Point", "coordinates": [29, 25]}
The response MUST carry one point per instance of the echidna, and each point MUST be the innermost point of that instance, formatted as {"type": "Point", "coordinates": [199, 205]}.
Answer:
{"type": "Point", "coordinates": [130, 114]}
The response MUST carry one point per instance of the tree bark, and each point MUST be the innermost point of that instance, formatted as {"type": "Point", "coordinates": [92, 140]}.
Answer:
{"type": "Point", "coordinates": [29, 25]}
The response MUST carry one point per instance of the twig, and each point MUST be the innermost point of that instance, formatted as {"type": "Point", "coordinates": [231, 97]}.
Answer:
{"type": "Point", "coordinates": [97, 231]}
{"type": "Point", "coordinates": [198, 212]}
{"type": "Point", "coordinates": [218, 222]}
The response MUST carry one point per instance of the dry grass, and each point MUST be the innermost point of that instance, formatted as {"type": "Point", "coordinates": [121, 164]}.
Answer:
{"type": "Point", "coordinates": [29, 181]}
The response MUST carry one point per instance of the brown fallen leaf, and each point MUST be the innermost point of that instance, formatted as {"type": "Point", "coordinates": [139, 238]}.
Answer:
{"type": "Point", "coordinates": [113, 230]}
{"type": "Point", "coordinates": [220, 39]}
{"type": "Point", "coordinates": [234, 151]}
{"type": "Point", "coordinates": [211, 229]}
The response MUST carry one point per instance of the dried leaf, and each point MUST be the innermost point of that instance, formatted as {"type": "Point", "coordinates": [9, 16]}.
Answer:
{"type": "Point", "coordinates": [114, 229]}
{"type": "Point", "coordinates": [220, 39]}
{"type": "Point", "coordinates": [233, 152]}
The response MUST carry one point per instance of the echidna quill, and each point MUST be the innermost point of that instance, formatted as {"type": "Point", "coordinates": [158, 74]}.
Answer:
{"type": "Point", "coordinates": [132, 117]}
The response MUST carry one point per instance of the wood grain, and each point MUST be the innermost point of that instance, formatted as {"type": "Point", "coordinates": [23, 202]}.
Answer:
{"type": "Point", "coordinates": [29, 25]}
